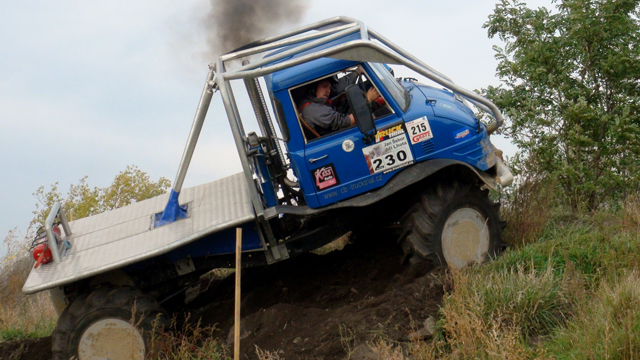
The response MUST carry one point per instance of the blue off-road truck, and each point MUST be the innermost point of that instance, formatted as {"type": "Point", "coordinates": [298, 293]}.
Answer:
{"type": "Point", "coordinates": [411, 154]}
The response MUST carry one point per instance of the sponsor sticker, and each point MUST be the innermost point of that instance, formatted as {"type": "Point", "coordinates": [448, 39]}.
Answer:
{"type": "Point", "coordinates": [325, 177]}
{"type": "Point", "coordinates": [419, 130]}
{"type": "Point", "coordinates": [445, 105]}
{"type": "Point", "coordinates": [391, 131]}
{"type": "Point", "coordinates": [390, 152]}
{"type": "Point", "coordinates": [458, 135]}
{"type": "Point", "coordinates": [348, 146]}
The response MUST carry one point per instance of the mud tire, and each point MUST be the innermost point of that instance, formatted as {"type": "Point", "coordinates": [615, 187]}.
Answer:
{"type": "Point", "coordinates": [107, 302]}
{"type": "Point", "coordinates": [423, 224]}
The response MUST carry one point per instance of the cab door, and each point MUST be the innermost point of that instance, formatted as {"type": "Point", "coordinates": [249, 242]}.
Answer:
{"type": "Point", "coordinates": [340, 165]}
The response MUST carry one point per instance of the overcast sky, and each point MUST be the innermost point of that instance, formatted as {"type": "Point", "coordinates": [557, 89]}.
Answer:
{"type": "Point", "coordinates": [88, 87]}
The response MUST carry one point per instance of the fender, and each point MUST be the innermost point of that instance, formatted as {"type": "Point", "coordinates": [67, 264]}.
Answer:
{"type": "Point", "coordinates": [404, 178]}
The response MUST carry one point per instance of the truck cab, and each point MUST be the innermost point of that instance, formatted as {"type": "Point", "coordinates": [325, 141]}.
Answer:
{"type": "Point", "coordinates": [414, 125]}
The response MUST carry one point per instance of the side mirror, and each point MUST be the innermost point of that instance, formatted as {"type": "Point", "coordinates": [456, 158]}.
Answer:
{"type": "Point", "coordinates": [361, 112]}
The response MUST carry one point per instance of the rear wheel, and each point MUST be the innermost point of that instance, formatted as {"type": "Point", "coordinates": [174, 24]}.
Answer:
{"type": "Point", "coordinates": [453, 223]}
{"type": "Point", "coordinates": [111, 322]}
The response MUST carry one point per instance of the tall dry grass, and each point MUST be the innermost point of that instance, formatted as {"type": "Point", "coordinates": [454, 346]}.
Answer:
{"type": "Point", "coordinates": [631, 212]}
{"type": "Point", "coordinates": [605, 325]}
{"type": "Point", "coordinates": [569, 289]}
{"type": "Point", "coordinates": [527, 208]}
{"type": "Point", "coordinates": [188, 341]}
{"type": "Point", "coordinates": [21, 316]}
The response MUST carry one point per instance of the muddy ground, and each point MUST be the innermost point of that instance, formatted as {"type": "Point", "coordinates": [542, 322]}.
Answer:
{"type": "Point", "coordinates": [311, 306]}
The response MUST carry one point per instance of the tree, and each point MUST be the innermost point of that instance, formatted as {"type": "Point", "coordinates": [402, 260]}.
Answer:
{"type": "Point", "coordinates": [129, 186]}
{"type": "Point", "coordinates": [571, 93]}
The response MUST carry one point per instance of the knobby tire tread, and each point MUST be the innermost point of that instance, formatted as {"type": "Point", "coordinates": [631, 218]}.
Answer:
{"type": "Point", "coordinates": [423, 223]}
{"type": "Point", "coordinates": [106, 298]}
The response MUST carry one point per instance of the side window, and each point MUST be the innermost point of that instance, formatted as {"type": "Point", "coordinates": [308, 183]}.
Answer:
{"type": "Point", "coordinates": [322, 107]}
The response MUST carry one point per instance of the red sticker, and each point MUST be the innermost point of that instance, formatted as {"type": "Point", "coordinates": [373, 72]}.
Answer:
{"type": "Point", "coordinates": [325, 177]}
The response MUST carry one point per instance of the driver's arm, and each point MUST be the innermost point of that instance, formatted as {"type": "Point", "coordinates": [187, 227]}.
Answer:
{"type": "Point", "coordinates": [347, 80]}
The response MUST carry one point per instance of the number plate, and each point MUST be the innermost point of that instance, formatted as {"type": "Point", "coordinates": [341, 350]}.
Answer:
{"type": "Point", "coordinates": [392, 151]}
{"type": "Point", "coordinates": [419, 130]}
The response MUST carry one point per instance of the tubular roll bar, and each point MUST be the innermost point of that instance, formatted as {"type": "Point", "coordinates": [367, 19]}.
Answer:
{"type": "Point", "coordinates": [56, 210]}
{"type": "Point", "coordinates": [246, 63]}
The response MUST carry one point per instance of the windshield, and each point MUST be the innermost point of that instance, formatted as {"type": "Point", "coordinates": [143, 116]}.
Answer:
{"type": "Point", "coordinates": [397, 91]}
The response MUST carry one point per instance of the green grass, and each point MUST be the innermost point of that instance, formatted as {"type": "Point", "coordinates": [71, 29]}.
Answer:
{"type": "Point", "coordinates": [595, 251]}
{"type": "Point", "coordinates": [574, 293]}
{"type": "Point", "coordinates": [40, 330]}
{"type": "Point", "coordinates": [605, 326]}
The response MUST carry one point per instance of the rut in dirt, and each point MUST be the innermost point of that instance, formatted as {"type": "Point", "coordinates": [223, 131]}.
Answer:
{"type": "Point", "coordinates": [312, 306]}
{"type": "Point", "coordinates": [321, 307]}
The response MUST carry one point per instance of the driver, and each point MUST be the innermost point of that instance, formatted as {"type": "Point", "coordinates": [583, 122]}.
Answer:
{"type": "Point", "coordinates": [318, 111]}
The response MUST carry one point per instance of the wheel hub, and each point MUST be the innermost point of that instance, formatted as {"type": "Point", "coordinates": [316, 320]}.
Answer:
{"type": "Point", "coordinates": [465, 238]}
{"type": "Point", "coordinates": [113, 339]}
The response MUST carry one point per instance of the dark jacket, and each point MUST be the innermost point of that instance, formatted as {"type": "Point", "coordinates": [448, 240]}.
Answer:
{"type": "Point", "coordinates": [340, 85]}
{"type": "Point", "coordinates": [320, 115]}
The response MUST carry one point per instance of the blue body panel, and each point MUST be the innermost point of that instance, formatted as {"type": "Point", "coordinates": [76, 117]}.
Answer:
{"type": "Point", "coordinates": [222, 242]}
{"type": "Point", "coordinates": [447, 122]}
{"type": "Point", "coordinates": [454, 128]}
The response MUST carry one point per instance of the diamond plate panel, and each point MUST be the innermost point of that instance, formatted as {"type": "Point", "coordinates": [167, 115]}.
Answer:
{"type": "Point", "coordinates": [121, 237]}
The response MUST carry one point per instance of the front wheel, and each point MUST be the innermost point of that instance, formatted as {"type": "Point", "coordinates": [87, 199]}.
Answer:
{"type": "Point", "coordinates": [453, 223]}
{"type": "Point", "coordinates": [111, 322]}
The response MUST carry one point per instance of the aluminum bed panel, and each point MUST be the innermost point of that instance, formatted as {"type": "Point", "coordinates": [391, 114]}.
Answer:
{"type": "Point", "coordinates": [121, 237]}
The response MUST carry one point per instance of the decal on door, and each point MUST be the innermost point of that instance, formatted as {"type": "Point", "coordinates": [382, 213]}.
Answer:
{"type": "Point", "coordinates": [419, 130]}
{"type": "Point", "coordinates": [325, 177]}
{"type": "Point", "coordinates": [348, 146]}
{"type": "Point", "coordinates": [390, 152]}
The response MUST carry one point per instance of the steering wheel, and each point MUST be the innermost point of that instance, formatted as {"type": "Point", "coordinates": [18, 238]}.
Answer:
{"type": "Point", "coordinates": [360, 81]}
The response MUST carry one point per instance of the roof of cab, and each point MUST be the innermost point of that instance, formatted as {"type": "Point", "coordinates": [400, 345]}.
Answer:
{"type": "Point", "coordinates": [308, 71]}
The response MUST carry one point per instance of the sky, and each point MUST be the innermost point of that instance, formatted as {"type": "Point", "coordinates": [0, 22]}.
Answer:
{"type": "Point", "coordinates": [88, 87]}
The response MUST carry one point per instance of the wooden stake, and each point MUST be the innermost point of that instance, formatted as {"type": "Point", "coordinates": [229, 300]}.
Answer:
{"type": "Point", "coordinates": [236, 330]}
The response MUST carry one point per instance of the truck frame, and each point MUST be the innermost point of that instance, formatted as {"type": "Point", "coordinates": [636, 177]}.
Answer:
{"type": "Point", "coordinates": [426, 164]}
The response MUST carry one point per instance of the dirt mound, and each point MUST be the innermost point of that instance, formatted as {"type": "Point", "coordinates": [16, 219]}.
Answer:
{"type": "Point", "coordinates": [322, 307]}
{"type": "Point", "coordinates": [31, 349]}
{"type": "Point", "coordinates": [312, 306]}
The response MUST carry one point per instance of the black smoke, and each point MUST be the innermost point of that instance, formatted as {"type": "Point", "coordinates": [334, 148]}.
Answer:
{"type": "Point", "coordinates": [233, 23]}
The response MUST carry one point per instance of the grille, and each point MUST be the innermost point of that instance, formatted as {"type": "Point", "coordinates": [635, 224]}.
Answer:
{"type": "Point", "coordinates": [428, 147]}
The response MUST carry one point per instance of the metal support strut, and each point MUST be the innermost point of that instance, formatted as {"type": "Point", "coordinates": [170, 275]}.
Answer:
{"type": "Point", "coordinates": [173, 211]}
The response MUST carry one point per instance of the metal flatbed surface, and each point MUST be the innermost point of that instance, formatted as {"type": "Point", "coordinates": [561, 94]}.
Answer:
{"type": "Point", "coordinates": [124, 236]}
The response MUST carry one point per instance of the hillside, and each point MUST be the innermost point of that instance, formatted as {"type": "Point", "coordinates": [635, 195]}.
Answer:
{"type": "Point", "coordinates": [572, 293]}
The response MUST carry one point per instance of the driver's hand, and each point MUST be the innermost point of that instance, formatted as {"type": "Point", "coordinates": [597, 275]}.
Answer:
{"type": "Point", "coordinates": [339, 99]}
{"type": "Point", "coordinates": [372, 94]}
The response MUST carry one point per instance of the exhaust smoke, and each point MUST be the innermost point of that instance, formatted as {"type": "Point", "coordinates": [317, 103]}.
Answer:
{"type": "Point", "coordinates": [234, 23]}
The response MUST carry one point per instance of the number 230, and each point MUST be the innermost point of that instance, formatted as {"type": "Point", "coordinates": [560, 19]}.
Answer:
{"type": "Point", "coordinates": [390, 159]}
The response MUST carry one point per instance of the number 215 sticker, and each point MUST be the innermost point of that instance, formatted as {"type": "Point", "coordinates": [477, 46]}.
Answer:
{"type": "Point", "coordinates": [419, 130]}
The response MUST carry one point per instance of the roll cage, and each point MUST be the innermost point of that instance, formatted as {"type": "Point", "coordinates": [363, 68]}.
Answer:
{"type": "Point", "coordinates": [341, 38]}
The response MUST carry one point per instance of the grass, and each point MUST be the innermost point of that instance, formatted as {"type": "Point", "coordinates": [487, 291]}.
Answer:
{"type": "Point", "coordinates": [569, 288]}
{"type": "Point", "coordinates": [21, 316]}
{"type": "Point", "coordinates": [573, 293]}
{"type": "Point", "coordinates": [188, 342]}
{"type": "Point", "coordinates": [606, 326]}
